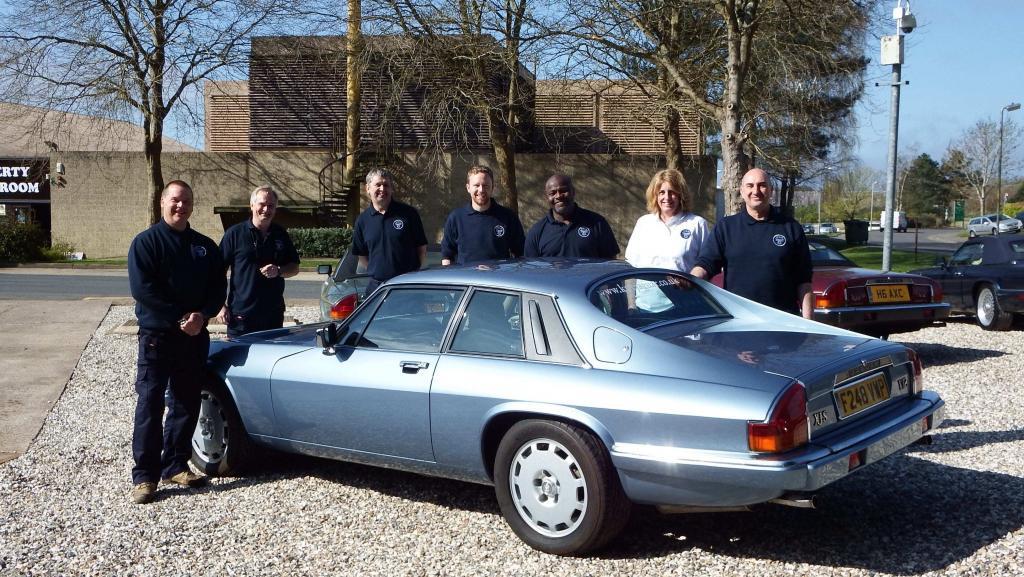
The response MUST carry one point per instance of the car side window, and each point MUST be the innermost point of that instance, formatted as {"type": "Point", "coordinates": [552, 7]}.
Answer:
{"type": "Point", "coordinates": [967, 255]}
{"type": "Point", "coordinates": [411, 319]}
{"type": "Point", "coordinates": [492, 324]}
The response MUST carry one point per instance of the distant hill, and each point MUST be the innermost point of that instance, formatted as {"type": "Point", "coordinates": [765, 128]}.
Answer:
{"type": "Point", "coordinates": [27, 131]}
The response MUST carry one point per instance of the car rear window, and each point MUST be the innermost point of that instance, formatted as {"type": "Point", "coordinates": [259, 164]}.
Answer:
{"type": "Point", "coordinates": [648, 299]}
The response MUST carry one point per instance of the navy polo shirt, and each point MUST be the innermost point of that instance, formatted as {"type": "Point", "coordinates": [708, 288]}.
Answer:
{"type": "Point", "coordinates": [390, 240]}
{"type": "Point", "coordinates": [245, 250]}
{"type": "Point", "coordinates": [471, 235]}
{"type": "Point", "coordinates": [587, 236]}
{"type": "Point", "coordinates": [764, 261]}
{"type": "Point", "coordinates": [172, 273]}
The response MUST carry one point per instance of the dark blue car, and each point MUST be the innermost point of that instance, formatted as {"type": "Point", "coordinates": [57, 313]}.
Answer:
{"type": "Point", "coordinates": [984, 278]}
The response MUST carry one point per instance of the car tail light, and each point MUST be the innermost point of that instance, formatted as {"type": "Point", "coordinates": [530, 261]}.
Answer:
{"type": "Point", "coordinates": [857, 296]}
{"type": "Point", "coordinates": [920, 293]}
{"type": "Point", "coordinates": [831, 297]}
{"type": "Point", "coordinates": [915, 361]}
{"type": "Point", "coordinates": [936, 292]}
{"type": "Point", "coordinates": [345, 306]}
{"type": "Point", "coordinates": [786, 427]}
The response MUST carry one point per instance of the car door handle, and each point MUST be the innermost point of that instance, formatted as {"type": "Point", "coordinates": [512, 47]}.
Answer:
{"type": "Point", "coordinates": [412, 366]}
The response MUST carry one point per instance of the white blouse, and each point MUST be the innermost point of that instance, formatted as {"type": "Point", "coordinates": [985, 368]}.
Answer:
{"type": "Point", "coordinates": [673, 245]}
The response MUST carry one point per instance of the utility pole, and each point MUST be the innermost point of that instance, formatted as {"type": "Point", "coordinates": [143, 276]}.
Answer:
{"type": "Point", "coordinates": [892, 53]}
{"type": "Point", "coordinates": [999, 186]}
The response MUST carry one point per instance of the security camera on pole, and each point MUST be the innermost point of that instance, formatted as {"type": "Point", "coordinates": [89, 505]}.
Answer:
{"type": "Point", "coordinates": [892, 53]}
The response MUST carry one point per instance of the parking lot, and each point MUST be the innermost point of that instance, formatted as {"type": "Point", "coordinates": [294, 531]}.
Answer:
{"type": "Point", "coordinates": [955, 507]}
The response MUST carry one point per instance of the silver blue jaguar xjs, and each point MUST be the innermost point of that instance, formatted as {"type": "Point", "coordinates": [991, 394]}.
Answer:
{"type": "Point", "coordinates": [576, 388]}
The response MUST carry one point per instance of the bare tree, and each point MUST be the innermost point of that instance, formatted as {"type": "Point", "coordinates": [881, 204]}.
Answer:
{"type": "Point", "coordinates": [724, 55]}
{"type": "Point", "coordinates": [980, 159]}
{"type": "Point", "coordinates": [481, 43]}
{"type": "Point", "coordinates": [130, 59]}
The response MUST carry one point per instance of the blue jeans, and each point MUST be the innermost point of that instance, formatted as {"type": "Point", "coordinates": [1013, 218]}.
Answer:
{"type": "Point", "coordinates": [168, 360]}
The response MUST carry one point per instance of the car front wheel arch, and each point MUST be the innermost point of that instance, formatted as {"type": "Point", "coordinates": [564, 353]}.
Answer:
{"type": "Point", "coordinates": [557, 487]}
{"type": "Point", "coordinates": [220, 444]}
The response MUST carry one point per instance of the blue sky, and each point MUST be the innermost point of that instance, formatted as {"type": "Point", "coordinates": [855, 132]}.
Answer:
{"type": "Point", "coordinates": [965, 61]}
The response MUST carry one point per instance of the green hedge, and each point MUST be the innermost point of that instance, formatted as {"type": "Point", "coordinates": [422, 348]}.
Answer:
{"type": "Point", "coordinates": [321, 242]}
{"type": "Point", "coordinates": [21, 242]}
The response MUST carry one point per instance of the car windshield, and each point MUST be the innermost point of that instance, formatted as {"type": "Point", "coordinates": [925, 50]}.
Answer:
{"type": "Point", "coordinates": [822, 255]}
{"type": "Point", "coordinates": [648, 299]}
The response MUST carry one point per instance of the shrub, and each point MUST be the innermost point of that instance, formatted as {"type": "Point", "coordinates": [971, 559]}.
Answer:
{"type": "Point", "coordinates": [20, 242]}
{"type": "Point", "coordinates": [321, 242]}
{"type": "Point", "coordinates": [58, 251]}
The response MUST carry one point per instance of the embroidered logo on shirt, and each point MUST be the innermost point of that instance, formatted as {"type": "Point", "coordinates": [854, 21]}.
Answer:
{"type": "Point", "coordinates": [779, 240]}
{"type": "Point", "coordinates": [198, 251]}
{"type": "Point", "coordinates": [499, 231]}
{"type": "Point", "coordinates": [583, 231]}
{"type": "Point", "coordinates": [399, 224]}
{"type": "Point", "coordinates": [685, 233]}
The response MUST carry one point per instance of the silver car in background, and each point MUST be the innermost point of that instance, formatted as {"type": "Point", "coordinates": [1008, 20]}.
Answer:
{"type": "Point", "coordinates": [576, 388]}
{"type": "Point", "coordinates": [987, 225]}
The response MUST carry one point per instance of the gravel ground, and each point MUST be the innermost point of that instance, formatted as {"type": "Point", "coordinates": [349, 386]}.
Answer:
{"type": "Point", "coordinates": [955, 507]}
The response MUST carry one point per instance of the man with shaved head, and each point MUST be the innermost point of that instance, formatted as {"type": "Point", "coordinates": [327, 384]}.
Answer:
{"type": "Point", "coordinates": [762, 251]}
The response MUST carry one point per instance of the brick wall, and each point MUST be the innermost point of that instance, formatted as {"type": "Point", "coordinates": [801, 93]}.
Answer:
{"type": "Point", "coordinates": [103, 204]}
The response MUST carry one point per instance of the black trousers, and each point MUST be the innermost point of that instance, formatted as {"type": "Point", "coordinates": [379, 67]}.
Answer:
{"type": "Point", "coordinates": [169, 360]}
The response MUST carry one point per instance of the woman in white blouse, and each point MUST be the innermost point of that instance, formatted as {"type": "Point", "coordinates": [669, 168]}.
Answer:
{"type": "Point", "coordinates": [668, 237]}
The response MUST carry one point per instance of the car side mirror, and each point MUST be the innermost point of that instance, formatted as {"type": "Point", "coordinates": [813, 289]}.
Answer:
{"type": "Point", "coordinates": [326, 336]}
{"type": "Point", "coordinates": [324, 269]}
{"type": "Point", "coordinates": [941, 261]}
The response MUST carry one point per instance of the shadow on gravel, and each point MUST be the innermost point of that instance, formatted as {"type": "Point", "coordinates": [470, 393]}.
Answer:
{"type": "Point", "coordinates": [959, 440]}
{"type": "Point", "coordinates": [409, 486]}
{"type": "Point", "coordinates": [936, 355]}
{"type": "Point", "coordinates": [902, 516]}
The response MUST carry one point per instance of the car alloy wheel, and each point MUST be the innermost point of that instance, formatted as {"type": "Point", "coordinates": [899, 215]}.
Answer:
{"type": "Point", "coordinates": [990, 315]}
{"type": "Point", "coordinates": [971, 233]}
{"type": "Point", "coordinates": [557, 488]}
{"type": "Point", "coordinates": [220, 445]}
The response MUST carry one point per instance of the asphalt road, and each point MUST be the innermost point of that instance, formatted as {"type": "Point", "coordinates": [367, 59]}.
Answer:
{"type": "Point", "coordinates": [76, 284]}
{"type": "Point", "coordinates": [937, 240]}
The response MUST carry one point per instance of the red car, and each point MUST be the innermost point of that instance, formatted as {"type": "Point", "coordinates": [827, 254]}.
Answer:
{"type": "Point", "coordinates": [871, 301]}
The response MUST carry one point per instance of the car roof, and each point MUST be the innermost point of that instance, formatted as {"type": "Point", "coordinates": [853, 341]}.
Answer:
{"type": "Point", "coordinates": [540, 275]}
{"type": "Point", "coordinates": [997, 248]}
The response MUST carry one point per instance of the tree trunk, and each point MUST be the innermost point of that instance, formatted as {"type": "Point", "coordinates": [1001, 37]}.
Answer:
{"type": "Point", "coordinates": [673, 144]}
{"type": "Point", "coordinates": [354, 97]}
{"type": "Point", "coordinates": [502, 141]}
{"type": "Point", "coordinates": [153, 147]}
{"type": "Point", "coordinates": [734, 162]}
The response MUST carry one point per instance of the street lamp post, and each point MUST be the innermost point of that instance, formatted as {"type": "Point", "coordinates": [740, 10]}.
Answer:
{"type": "Point", "coordinates": [892, 53]}
{"type": "Point", "coordinates": [999, 172]}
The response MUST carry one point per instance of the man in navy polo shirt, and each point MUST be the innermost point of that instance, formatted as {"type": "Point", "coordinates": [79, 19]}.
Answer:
{"type": "Point", "coordinates": [764, 252]}
{"type": "Point", "coordinates": [177, 281]}
{"type": "Point", "coordinates": [261, 255]}
{"type": "Point", "coordinates": [482, 229]}
{"type": "Point", "coordinates": [567, 229]}
{"type": "Point", "coordinates": [388, 239]}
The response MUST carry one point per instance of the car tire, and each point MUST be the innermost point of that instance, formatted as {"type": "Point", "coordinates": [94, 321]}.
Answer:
{"type": "Point", "coordinates": [220, 444]}
{"type": "Point", "coordinates": [971, 233]}
{"type": "Point", "coordinates": [993, 232]}
{"type": "Point", "coordinates": [990, 315]}
{"type": "Point", "coordinates": [557, 488]}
